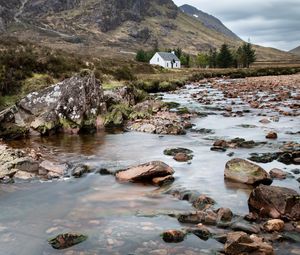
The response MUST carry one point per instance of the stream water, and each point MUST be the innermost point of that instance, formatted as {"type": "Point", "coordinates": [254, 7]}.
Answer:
{"type": "Point", "coordinates": [128, 218]}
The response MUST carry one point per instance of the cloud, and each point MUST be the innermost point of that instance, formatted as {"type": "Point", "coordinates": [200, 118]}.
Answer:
{"type": "Point", "coordinates": [271, 23]}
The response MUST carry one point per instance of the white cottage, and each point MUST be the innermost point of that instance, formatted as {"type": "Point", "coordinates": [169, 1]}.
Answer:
{"type": "Point", "coordinates": [166, 60]}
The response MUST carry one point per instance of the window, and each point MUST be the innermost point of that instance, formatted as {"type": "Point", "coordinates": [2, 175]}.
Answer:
{"type": "Point", "coordinates": [167, 64]}
{"type": "Point", "coordinates": [157, 59]}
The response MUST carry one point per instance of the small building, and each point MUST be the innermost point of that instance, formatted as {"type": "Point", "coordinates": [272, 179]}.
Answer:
{"type": "Point", "coordinates": [166, 60]}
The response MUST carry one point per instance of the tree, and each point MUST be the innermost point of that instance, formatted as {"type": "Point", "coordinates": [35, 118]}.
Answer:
{"type": "Point", "coordinates": [250, 54]}
{"type": "Point", "coordinates": [245, 56]}
{"type": "Point", "coordinates": [141, 56]}
{"type": "Point", "coordinates": [202, 60]}
{"type": "Point", "coordinates": [225, 58]}
{"type": "Point", "coordinates": [212, 58]}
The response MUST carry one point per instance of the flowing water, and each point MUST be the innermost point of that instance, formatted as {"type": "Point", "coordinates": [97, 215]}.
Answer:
{"type": "Point", "coordinates": [128, 218]}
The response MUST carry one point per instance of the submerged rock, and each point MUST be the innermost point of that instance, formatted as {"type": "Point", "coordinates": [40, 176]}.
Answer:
{"type": "Point", "coordinates": [203, 202]}
{"type": "Point", "coordinates": [174, 151]}
{"type": "Point", "coordinates": [80, 170]}
{"type": "Point", "coordinates": [243, 171]}
{"type": "Point", "coordinates": [200, 231]}
{"type": "Point", "coordinates": [182, 157]}
{"type": "Point", "coordinates": [161, 181]}
{"type": "Point", "coordinates": [275, 202]}
{"type": "Point", "coordinates": [263, 157]}
{"type": "Point", "coordinates": [64, 241]}
{"type": "Point", "coordinates": [276, 173]}
{"type": "Point", "coordinates": [272, 135]}
{"type": "Point", "coordinates": [145, 172]}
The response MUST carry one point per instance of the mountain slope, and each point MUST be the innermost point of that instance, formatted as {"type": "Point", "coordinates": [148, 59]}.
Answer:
{"type": "Point", "coordinates": [100, 27]}
{"type": "Point", "coordinates": [295, 51]}
{"type": "Point", "coordinates": [208, 20]}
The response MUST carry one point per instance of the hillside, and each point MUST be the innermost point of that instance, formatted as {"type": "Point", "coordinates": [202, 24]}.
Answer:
{"type": "Point", "coordinates": [208, 20]}
{"type": "Point", "coordinates": [100, 27]}
{"type": "Point", "coordinates": [295, 51]}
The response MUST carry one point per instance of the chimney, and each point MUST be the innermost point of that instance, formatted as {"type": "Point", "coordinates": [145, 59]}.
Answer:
{"type": "Point", "coordinates": [173, 52]}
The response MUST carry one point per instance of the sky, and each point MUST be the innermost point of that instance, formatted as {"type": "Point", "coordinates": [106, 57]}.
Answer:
{"type": "Point", "coordinates": [271, 23]}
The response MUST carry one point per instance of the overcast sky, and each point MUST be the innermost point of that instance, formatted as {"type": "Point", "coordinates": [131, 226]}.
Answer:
{"type": "Point", "coordinates": [274, 23]}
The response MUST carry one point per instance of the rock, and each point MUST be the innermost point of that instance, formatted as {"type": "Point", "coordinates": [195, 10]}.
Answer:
{"type": "Point", "coordinates": [207, 218]}
{"type": "Point", "coordinates": [161, 181]}
{"type": "Point", "coordinates": [202, 131]}
{"type": "Point", "coordinates": [245, 227]}
{"type": "Point", "coordinates": [72, 105]}
{"type": "Point", "coordinates": [224, 215]}
{"type": "Point", "coordinates": [104, 171]}
{"type": "Point", "coordinates": [12, 161]}
{"type": "Point", "coordinates": [240, 243]}
{"type": "Point", "coordinates": [275, 202]}
{"type": "Point", "coordinates": [10, 128]}
{"type": "Point", "coordinates": [263, 157]}
{"type": "Point", "coordinates": [80, 170]}
{"type": "Point", "coordinates": [53, 169]}
{"type": "Point", "coordinates": [276, 173]}
{"type": "Point", "coordinates": [274, 225]}
{"type": "Point", "coordinates": [164, 123]}
{"type": "Point", "coordinates": [174, 151]}
{"type": "Point", "coordinates": [272, 135]}
{"type": "Point", "coordinates": [220, 143]}
{"type": "Point", "coordinates": [182, 157]}
{"type": "Point", "coordinates": [64, 241]}
{"type": "Point", "coordinates": [265, 121]}
{"type": "Point", "coordinates": [145, 172]}
{"type": "Point", "coordinates": [202, 232]}
{"type": "Point", "coordinates": [173, 236]}
{"type": "Point", "coordinates": [203, 202]}
{"type": "Point", "coordinates": [22, 175]}
{"type": "Point", "coordinates": [295, 171]}
{"type": "Point", "coordinates": [123, 95]}
{"type": "Point", "coordinates": [218, 148]}
{"type": "Point", "coordinates": [243, 171]}
{"type": "Point", "coordinates": [286, 158]}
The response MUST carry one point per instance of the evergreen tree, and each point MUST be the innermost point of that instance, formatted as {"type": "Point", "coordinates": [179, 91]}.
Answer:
{"type": "Point", "coordinates": [141, 56]}
{"type": "Point", "coordinates": [212, 58]}
{"type": "Point", "coordinates": [250, 55]}
{"type": "Point", "coordinates": [225, 58]}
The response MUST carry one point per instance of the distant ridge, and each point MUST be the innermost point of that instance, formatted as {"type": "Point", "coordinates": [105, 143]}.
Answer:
{"type": "Point", "coordinates": [208, 20]}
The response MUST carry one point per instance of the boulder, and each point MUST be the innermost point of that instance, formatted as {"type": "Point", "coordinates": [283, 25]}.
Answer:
{"type": "Point", "coordinates": [243, 171]}
{"type": "Point", "coordinates": [174, 151]}
{"type": "Point", "coordinates": [224, 214]}
{"type": "Point", "coordinates": [52, 169]}
{"type": "Point", "coordinates": [203, 202]}
{"type": "Point", "coordinates": [182, 157]}
{"type": "Point", "coordinates": [200, 231]}
{"type": "Point", "coordinates": [275, 202]}
{"type": "Point", "coordinates": [274, 225]}
{"type": "Point", "coordinates": [272, 135]}
{"type": "Point", "coordinates": [161, 181]}
{"type": "Point", "coordinates": [145, 172]}
{"type": "Point", "coordinates": [276, 173]}
{"type": "Point", "coordinates": [173, 236]}
{"type": "Point", "coordinates": [71, 105]}
{"type": "Point", "coordinates": [64, 241]}
{"type": "Point", "coordinates": [241, 243]}
{"type": "Point", "coordinates": [80, 170]}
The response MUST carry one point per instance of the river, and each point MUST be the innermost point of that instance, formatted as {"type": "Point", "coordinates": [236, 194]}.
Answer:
{"type": "Point", "coordinates": [128, 218]}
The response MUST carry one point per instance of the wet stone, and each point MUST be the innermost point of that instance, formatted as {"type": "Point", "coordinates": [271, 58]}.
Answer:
{"type": "Point", "coordinates": [64, 241]}
{"type": "Point", "coordinates": [173, 236]}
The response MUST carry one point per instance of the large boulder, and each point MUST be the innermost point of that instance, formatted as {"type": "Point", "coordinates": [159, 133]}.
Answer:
{"type": "Point", "coordinates": [145, 172]}
{"type": "Point", "coordinates": [275, 202]}
{"type": "Point", "coordinates": [243, 171]}
{"type": "Point", "coordinates": [72, 105]}
{"type": "Point", "coordinates": [240, 243]}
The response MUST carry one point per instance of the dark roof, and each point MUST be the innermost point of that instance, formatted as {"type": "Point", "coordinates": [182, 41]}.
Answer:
{"type": "Point", "coordinates": [167, 56]}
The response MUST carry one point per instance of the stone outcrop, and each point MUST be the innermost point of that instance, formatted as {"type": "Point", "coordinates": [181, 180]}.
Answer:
{"type": "Point", "coordinates": [243, 171]}
{"type": "Point", "coordinates": [145, 172]}
{"type": "Point", "coordinates": [275, 202]}
{"type": "Point", "coordinates": [72, 105]}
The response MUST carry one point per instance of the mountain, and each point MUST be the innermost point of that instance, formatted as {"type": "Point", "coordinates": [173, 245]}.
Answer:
{"type": "Point", "coordinates": [208, 20]}
{"type": "Point", "coordinates": [295, 51]}
{"type": "Point", "coordinates": [102, 27]}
